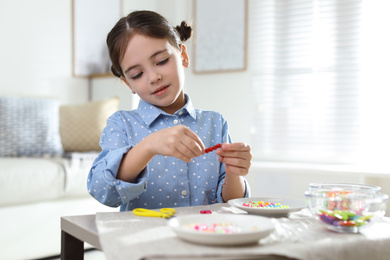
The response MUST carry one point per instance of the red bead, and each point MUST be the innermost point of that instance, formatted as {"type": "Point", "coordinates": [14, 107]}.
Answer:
{"type": "Point", "coordinates": [211, 148]}
{"type": "Point", "coordinates": [348, 223]}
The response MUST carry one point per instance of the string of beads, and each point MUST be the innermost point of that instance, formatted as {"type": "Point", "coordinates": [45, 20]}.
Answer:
{"type": "Point", "coordinates": [211, 148]}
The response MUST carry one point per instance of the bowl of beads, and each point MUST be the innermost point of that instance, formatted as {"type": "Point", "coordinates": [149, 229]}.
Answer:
{"type": "Point", "coordinates": [346, 208]}
{"type": "Point", "coordinates": [270, 207]}
{"type": "Point", "coordinates": [345, 186]}
{"type": "Point", "coordinates": [221, 229]}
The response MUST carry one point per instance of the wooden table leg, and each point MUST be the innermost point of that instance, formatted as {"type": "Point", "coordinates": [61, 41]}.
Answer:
{"type": "Point", "coordinates": [71, 247]}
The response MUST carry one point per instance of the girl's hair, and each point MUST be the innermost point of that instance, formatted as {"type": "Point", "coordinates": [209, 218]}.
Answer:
{"type": "Point", "coordinates": [146, 23]}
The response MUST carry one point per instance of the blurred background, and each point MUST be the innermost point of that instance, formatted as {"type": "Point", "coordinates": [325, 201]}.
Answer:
{"type": "Point", "coordinates": [313, 93]}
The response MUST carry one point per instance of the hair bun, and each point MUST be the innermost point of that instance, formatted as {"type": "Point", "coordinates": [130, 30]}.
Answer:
{"type": "Point", "coordinates": [184, 30]}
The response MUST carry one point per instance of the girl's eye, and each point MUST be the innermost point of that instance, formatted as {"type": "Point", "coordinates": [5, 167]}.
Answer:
{"type": "Point", "coordinates": [136, 76]}
{"type": "Point", "coordinates": [163, 62]}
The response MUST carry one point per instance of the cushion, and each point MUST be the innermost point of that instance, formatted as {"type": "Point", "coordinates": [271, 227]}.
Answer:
{"type": "Point", "coordinates": [81, 125]}
{"type": "Point", "coordinates": [29, 126]}
{"type": "Point", "coordinates": [27, 179]}
{"type": "Point", "coordinates": [78, 168]}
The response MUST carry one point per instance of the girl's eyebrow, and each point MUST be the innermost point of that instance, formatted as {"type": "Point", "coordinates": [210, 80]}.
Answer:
{"type": "Point", "coordinates": [151, 57]}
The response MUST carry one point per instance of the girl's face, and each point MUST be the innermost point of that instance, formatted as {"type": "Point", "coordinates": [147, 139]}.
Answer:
{"type": "Point", "coordinates": [153, 68]}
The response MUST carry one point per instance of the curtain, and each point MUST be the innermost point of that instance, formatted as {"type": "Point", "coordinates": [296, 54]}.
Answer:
{"type": "Point", "coordinates": [311, 89]}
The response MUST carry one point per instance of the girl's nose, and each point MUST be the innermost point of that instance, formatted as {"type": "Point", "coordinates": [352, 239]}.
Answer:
{"type": "Point", "coordinates": [154, 76]}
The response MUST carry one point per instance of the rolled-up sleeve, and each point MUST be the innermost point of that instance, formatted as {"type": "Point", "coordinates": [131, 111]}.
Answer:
{"type": "Point", "coordinates": [102, 183]}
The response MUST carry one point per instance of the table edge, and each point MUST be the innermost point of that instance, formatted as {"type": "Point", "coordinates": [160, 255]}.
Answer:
{"type": "Point", "coordinates": [82, 227]}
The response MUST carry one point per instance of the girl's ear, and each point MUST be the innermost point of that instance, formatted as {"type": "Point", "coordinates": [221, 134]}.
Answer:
{"type": "Point", "coordinates": [128, 84]}
{"type": "Point", "coordinates": [184, 56]}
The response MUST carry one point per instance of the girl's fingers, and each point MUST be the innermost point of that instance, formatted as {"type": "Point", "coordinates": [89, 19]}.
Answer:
{"type": "Point", "coordinates": [189, 147]}
{"type": "Point", "coordinates": [236, 147]}
{"type": "Point", "coordinates": [236, 162]}
{"type": "Point", "coordinates": [235, 150]}
{"type": "Point", "coordinates": [198, 146]}
{"type": "Point", "coordinates": [238, 171]}
{"type": "Point", "coordinates": [179, 142]}
{"type": "Point", "coordinates": [237, 158]}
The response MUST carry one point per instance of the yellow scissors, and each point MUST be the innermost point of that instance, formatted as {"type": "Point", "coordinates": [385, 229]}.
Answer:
{"type": "Point", "coordinates": [164, 212]}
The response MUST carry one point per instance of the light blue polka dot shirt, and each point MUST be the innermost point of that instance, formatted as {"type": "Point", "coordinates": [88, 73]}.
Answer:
{"type": "Point", "coordinates": [166, 181]}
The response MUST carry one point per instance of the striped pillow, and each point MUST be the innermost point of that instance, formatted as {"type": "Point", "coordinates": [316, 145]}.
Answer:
{"type": "Point", "coordinates": [29, 126]}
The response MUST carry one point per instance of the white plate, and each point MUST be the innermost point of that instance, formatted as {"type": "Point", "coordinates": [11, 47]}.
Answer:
{"type": "Point", "coordinates": [249, 228]}
{"type": "Point", "coordinates": [294, 205]}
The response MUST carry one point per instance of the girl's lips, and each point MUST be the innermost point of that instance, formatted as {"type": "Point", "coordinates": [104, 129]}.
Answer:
{"type": "Point", "coordinates": [161, 90]}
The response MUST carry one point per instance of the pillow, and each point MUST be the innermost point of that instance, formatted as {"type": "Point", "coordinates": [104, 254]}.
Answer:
{"type": "Point", "coordinates": [29, 126]}
{"type": "Point", "coordinates": [81, 125]}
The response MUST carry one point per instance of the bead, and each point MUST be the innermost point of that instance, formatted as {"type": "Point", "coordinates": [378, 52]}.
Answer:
{"type": "Point", "coordinates": [220, 228]}
{"type": "Point", "coordinates": [348, 223]}
{"type": "Point", "coordinates": [265, 205]}
{"type": "Point", "coordinates": [211, 148]}
{"type": "Point", "coordinates": [344, 218]}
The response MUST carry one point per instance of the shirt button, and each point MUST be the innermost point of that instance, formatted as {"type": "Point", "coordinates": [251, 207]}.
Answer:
{"type": "Point", "coordinates": [180, 112]}
{"type": "Point", "coordinates": [175, 121]}
{"type": "Point", "coordinates": [183, 192]}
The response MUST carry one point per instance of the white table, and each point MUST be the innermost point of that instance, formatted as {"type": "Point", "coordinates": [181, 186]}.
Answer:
{"type": "Point", "coordinates": [79, 229]}
{"type": "Point", "coordinates": [75, 230]}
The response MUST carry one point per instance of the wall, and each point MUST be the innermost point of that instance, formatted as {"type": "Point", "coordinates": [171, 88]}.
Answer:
{"type": "Point", "coordinates": [36, 50]}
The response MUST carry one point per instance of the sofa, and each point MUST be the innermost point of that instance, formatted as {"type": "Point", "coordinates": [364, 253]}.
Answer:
{"type": "Point", "coordinates": [46, 151]}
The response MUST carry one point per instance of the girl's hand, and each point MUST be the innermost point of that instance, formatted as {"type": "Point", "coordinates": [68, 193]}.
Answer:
{"type": "Point", "coordinates": [178, 141]}
{"type": "Point", "coordinates": [237, 158]}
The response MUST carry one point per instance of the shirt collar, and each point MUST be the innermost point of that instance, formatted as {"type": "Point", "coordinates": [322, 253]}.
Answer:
{"type": "Point", "coordinates": [149, 113]}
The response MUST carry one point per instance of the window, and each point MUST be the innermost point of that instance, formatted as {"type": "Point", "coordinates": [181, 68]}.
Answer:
{"type": "Point", "coordinates": [311, 67]}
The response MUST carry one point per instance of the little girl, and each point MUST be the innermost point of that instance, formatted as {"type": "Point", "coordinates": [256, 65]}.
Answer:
{"type": "Point", "coordinates": [154, 156]}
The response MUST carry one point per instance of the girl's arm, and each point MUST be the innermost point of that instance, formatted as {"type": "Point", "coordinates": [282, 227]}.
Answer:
{"type": "Point", "coordinates": [178, 141]}
{"type": "Point", "coordinates": [237, 158]}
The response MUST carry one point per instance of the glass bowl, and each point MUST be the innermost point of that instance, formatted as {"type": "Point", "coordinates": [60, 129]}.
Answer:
{"type": "Point", "coordinates": [346, 207]}
{"type": "Point", "coordinates": [345, 186]}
